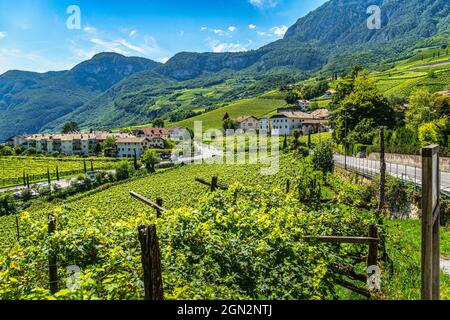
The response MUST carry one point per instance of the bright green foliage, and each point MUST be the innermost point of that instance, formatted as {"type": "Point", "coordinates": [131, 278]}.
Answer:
{"type": "Point", "coordinates": [420, 109]}
{"type": "Point", "coordinates": [13, 168]}
{"type": "Point", "coordinates": [322, 157]}
{"type": "Point", "coordinates": [150, 158]}
{"type": "Point", "coordinates": [240, 244]}
{"type": "Point", "coordinates": [364, 102]}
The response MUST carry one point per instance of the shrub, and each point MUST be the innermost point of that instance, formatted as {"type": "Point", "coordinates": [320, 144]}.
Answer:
{"type": "Point", "coordinates": [7, 205]}
{"type": "Point", "coordinates": [123, 170]}
{"type": "Point", "coordinates": [322, 157]}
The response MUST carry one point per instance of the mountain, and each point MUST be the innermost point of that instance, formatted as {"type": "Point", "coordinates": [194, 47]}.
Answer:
{"type": "Point", "coordinates": [111, 90]}
{"type": "Point", "coordinates": [28, 100]}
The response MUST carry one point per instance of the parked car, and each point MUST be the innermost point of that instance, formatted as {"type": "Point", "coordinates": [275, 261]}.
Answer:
{"type": "Point", "coordinates": [57, 187]}
{"type": "Point", "coordinates": [18, 195]}
{"type": "Point", "coordinates": [91, 175]}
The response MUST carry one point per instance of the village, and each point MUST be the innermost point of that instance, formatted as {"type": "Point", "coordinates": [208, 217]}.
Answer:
{"type": "Point", "coordinates": [133, 142]}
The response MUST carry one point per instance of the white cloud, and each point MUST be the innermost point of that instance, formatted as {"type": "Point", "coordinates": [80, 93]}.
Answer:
{"type": "Point", "coordinates": [229, 47]}
{"type": "Point", "coordinates": [218, 31]}
{"type": "Point", "coordinates": [164, 60]}
{"type": "Point", "coordinates": [263, 4]}
{"type": "Point", "coordinates": [111, 46]}
{"type": "Point", "coordinates": [130, 46]}
{"type": "Point", "coordinates": [279, 31]}
{"type": "Point", "coordinates": [252, 26]}
{"type": "Point", "coordinates": [203, 28]}
{"type": "Point", "coordinates": [264, 34]}
{"type": "Point", "coordinates": [133, 33]}
{"type": "Point", "coordinates": [232, 28]}
{"type": "Point", "coordinates": [89, 29]}
{"type": "Point", "coordinates": [3, 34]}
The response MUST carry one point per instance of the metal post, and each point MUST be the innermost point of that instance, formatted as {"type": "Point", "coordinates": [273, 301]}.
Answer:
{"type": "Point", "coordinates": [345, 139]}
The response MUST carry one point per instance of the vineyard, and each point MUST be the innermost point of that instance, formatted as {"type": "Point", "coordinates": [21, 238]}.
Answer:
{"type": "Point", "coordinates": [224, 245]}
{"type": "Point", "coordinates": [13, 169]}
{"type": "Point", "coordinates": [244, 241]}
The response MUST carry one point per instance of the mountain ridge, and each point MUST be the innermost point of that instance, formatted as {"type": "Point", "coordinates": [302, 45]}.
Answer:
{"type": "Point", "coordinates": [110, 88]}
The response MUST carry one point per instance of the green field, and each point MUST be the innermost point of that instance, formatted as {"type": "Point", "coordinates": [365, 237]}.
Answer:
{"type": "Point", "coordinates": [12, 169]}
{"type": "Point", "coordinates": [257, 107]}
{"type": "Point", "coordinates": [430, 72]}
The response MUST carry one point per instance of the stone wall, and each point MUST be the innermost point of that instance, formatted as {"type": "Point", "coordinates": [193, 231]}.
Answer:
{"type": "Point", "coordinates": [411, 160]}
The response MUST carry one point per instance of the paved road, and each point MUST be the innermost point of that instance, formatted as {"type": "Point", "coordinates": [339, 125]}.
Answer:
{"type": "Point", "coordinates": [407, 173]}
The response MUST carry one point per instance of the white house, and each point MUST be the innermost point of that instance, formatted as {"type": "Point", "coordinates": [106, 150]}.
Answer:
{"type": "Point", "coordinates": [15, 141]}
{"type": "Point", "coordinates": [129, 146]}
{"type": "Point", "coordinates": [303, 104]}
{"type": "Point", "coordinates": [284, 123]}
{"type": "Point", "coordinates": [264, 124]}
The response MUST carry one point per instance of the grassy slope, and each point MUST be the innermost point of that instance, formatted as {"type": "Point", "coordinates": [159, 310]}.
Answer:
{"type": "Point", "coordinates": [404, 249]}
{"type": "Point", "coordinates": [257, 107]}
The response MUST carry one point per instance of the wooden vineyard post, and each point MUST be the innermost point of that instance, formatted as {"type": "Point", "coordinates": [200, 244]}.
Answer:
{"type": "Point", "coordinates": [288, 186]}
{"type": "Point", "coordinates": [151, 262]}
{"type": "Point", "coordinates": [159, 202]}
{"type": "Point", "coordinates": [372, 259]}
{"type": "Point", "coordinates": [214, 183]}
{"type": "Point", "coordinates": [57, 173]}
{"type": "Point", "coordinates": [52, 260]}
{"type": "Point", "coordinates": [430, 223]}
{"type": "Point", "coordinates": [92, 166]}
{"type": "Point", "coordinates": [17, 228]}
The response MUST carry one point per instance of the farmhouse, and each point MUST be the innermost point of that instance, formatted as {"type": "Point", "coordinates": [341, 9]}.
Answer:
{"type": "Point", "coordinates": [284, 123]}
{"type": "Point", "coordinates": [128, 147]}
{"type": "Point", "coordinates": [303, 104]}
{"type": "Point", "coordinates": [16, 141]}
{"type": "Point", "coordinates": [248, 123]}
{"type": "Point", "coordinates": [164, 133]}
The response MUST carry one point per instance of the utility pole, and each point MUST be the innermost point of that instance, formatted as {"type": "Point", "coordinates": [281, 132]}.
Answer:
{"type": "Point", "coordinates": [382, 171]}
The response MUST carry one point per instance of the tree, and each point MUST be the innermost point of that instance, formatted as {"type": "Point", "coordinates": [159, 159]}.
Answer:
{"type": "Point", "coordinates": [356, 71]}
{"type": "Point", "coordinates": [291, 97]}
{"type": "Point", "coordinates": [296, 135]}
{"type": "Point", "coordinates": [6, 151]}
{"type": "Point", "coordinates": [322, 158]}
{"type": "Point", "coordinates": [7, 205]}
{"type": "Point", "coordinates": [364, 132]}
{"type": "Point", "coordinates": [226, 116]}
{"type": "Point", "coordinates": [109, 147]}
{"type": "Point", "coordinates": [364, 102]}
{"type": "Point", "coordinates": [150, 159]}
{"type": "Point", "coordinates": [71, 127]}
{"type": "Point", "coordinates": [420, 109]}
{"type": "Point", "coordinates": [123, 170]}
{"type": "Point", "coordinates": [442, 106]}
{"type": "Point", "coordinates": [435, 132]}
{"type": "Point", "coordinates": [158, 123]}
{"type": "Point", "coordinates": [229, 124]}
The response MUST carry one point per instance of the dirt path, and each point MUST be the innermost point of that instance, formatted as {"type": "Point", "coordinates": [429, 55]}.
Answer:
{"type": "Point", "coordinates": [436, 64]}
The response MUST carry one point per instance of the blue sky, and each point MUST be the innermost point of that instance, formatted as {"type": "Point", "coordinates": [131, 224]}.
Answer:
{"type": "Point", "coordinates": [34, 35]}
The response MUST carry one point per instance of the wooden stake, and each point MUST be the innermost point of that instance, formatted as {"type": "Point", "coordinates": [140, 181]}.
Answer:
{"type": "Point", "coordinates": [214, 183]}
{"type": "Point", "coordinates": [52, 260]}
{"type": "Point", "coordinates": [372, 259]}
{"type": "Point", "coordinates": [151, 262]}
{"type": "Point", "coordinates": [159, 202]}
